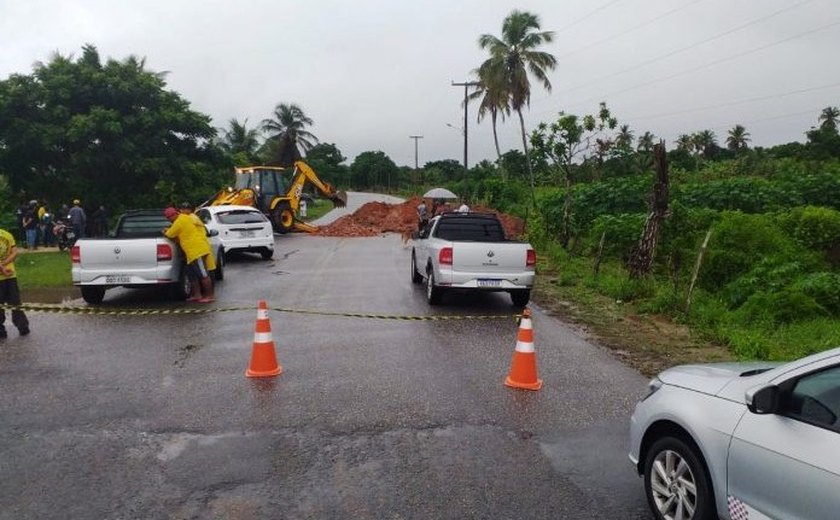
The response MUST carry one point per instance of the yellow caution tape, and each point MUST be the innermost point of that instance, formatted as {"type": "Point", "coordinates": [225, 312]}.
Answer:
{"type": "Point", "coordinates": [119, 311]}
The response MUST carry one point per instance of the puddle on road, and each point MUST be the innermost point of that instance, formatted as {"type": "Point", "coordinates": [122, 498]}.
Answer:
{"type": "Point", "coordinates": [49, 294]}
{"type": "Point", "coordinates": [184, 353]}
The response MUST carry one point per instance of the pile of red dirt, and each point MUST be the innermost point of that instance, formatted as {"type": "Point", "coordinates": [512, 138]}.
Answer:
{"type": "Point", "coordinates": [375, 218]}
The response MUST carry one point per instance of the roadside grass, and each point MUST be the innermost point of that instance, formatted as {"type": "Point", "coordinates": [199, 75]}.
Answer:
{"type": "Point", "coordinates": [646, 324]}
{"type": "Point", "coordinates": [317, 209]}
{"type": "Point", "coordinates": [49, 269]}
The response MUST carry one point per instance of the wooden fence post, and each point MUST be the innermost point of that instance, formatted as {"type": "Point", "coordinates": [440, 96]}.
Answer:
{"type": "Point", "coordinates": [697, 270]}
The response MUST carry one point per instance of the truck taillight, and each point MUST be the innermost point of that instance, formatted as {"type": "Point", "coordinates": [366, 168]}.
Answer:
{"type": "Point", "coordinates": [75, 255]}
{"type": "Point", "coordinates": [164, 252]}
{"type": "Point", "coordinates": [531, 258]}
{"type": "Point", "coordinates": [445, 256]}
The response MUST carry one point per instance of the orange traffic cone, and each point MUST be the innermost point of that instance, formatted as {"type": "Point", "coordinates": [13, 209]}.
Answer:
{"type": "Point", "coordinates": [523, 367]}
{"type": "Point", "coordinates": [263, 358]}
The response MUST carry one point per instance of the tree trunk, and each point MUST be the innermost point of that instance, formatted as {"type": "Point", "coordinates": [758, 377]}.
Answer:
{"type": "Point", "coordinates": [498, 150]}
{"type": "Point", "coordinates": [566, 229]}
{"type": "Point", "coordinates": [641, 258]}
{"type": "Point", "coordinates": [527, 157]}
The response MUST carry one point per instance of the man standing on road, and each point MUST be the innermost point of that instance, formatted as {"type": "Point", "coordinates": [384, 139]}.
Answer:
{"type": "Point", "coordinates": [422, 215]}
{"type": "Point", "coordinates": [191, 235]}
{"type": "Point", "coordinates": [9, 291]}
{"type": "Point", "coordinates": [78, 218]}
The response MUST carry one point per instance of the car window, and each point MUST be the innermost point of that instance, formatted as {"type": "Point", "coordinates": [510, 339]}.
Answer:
{"type": "Point", "coordinates": [204, 215]}
{"type": "Point", "coordinates": [470, 229]}
{"type": "Point", "coordinates": [240, 217]}
{"type": "Point", "coordinates": [815, 399]}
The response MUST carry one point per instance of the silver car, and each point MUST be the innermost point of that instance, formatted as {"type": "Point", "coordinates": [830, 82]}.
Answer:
{"type": "Point", "coordinates": [742, 440]}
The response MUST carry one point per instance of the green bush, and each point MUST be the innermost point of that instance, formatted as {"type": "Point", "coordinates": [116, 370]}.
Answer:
{"type": "Point", "coordinates": [785, 306]}
{"type": "Point", "coordinates": [815, 228]}
{"type": "Point", "coordinates": [622, 233]}
{"type": "Point", "coordinates": [823, 287]}
{"type": "Point", "coordinates": [767, 275]}
{"type": "Point", "coordinates": [738, 242]}
{"type": "Point", "coordinates": [747, 194]}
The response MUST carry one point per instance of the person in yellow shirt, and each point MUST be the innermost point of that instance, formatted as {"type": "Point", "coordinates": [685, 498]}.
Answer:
{"type": "Point", "coordinates": [191, 235]}
{"type": "Point", "coordinates": [9, 291]}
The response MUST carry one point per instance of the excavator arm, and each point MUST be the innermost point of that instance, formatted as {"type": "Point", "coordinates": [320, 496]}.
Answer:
{"type": "Point", "coordinates": [284, 209]}
{"type": "Point", "coordinates": [306, 173]}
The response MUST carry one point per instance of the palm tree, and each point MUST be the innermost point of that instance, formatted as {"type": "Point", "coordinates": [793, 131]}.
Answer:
{"type": "Point", "coordinates": [237, 139]}
{"type": "Point", "coordinates": [738, 138]}
{"type": "Point", "coordinates": [705, 141]}
{"type": "Point", "coordinates": [494, 100]}
{"type": "Point", "coordinates": [645, 143]}
{"type": "Point", "coordinates": [287, 128]}
{"type": "Point", "coordinates": [512, 58]}
{"type": "Point", "coordinates": [829, 118]}
{"type": "Point", "coordinates": [624, 139]}
{"type": "Point", "coordinates": [685, 142]}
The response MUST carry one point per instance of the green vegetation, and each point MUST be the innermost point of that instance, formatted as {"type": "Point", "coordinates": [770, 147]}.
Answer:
{"type": "Point", "coordinates": [41, 270]}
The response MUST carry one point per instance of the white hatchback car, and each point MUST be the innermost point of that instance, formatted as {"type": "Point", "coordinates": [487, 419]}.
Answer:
{"type": "Point", "coordinates": [241, 228]}
{"type": "Point", "coordinates": [742, 440]}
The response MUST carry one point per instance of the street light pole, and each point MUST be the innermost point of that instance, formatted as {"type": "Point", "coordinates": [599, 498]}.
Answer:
{"type": "Point", "coordinates": [466, 85]}
{"type": "Point", "coordinates": [416, 139]}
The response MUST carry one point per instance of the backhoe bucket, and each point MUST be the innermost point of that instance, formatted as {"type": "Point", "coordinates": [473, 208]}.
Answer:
{"type": "Point", "coordinates": [339, 199]}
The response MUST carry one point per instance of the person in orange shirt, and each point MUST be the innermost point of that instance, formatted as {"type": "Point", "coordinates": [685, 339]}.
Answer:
{"type": "Point", "coordinates": [191, 235]}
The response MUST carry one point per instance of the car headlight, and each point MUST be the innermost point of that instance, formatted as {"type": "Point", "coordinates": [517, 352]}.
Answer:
{"type": "Point", "coordinates": [654, 385]}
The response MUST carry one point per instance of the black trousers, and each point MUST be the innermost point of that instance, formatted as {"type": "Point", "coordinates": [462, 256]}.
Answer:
{"type": "Point", "coordinates": [9, 293]}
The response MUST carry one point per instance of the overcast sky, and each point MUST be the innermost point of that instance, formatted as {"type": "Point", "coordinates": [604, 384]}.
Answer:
{"type": "Point", "coordinates": [370, 73]}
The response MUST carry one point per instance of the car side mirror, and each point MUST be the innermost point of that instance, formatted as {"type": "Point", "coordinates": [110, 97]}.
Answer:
{"type": "Point", "coordinates": [764, 400]}
{"type": "Point", "coordinates": [212, 232]}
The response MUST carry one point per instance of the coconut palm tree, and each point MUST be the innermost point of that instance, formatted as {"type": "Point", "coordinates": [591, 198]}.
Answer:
{"type": "Point", "coordinates": [288, 129]}
{"type": "Point", "coordinates": [738, 138]}
{"type": "Point", "coordinates": [494, 100]}
{"type": "Point", "coordinates": [645, 142]}
{"type": "Point", "coordinates": [705, 141]}
{"type": "Point", "coordinates": [829, 118]}
{"type": "Point", "coordinates": [512, 58]}
{"type": "Point", "coordinates": [624, 139]}
{"type": "Point", "coordinates": [685, 142]}
{"type": "Point", "coordinates": [237, 139]}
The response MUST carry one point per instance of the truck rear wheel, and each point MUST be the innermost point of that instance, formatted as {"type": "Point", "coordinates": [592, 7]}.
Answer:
{"type": "Point", "coordinates": [282, 217]}
{"type": "Point", "coordinates": [93, 294]}
{"type": "Point", "coordinates": [520, 298]}
{"type": "Point", "coordinates": [433, 292]}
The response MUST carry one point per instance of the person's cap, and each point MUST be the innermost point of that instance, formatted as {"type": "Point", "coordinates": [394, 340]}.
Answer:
{"type": "Point", "coordinates": [170, 212]}
{"type": "Point", "coordinates": [76, 201]}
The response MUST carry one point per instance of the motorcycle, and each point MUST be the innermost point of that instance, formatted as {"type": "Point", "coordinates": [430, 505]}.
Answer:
{"type": "Point", "coordinates": [64, 234]}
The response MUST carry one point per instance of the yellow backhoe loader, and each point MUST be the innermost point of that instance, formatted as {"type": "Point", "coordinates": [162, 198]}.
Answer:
{"type": "Point", "coordinates": [277, 192]}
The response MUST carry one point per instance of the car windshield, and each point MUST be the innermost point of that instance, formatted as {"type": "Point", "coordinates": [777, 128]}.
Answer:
{"type": "Point", "coordinates": [240, 217]}
{"type": "Point", "coordinates": [470, 229]}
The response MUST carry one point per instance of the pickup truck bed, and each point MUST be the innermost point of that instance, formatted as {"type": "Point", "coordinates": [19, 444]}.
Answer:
{"type": "Point", "coordinates": [469, 251]}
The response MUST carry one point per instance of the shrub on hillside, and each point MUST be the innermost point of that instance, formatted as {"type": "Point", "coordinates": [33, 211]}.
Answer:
{"type": "Point", "coordinates": [772, 274]}
{"type": "Point", "coordinates": [823, 287]}
{"type": "Point", "coordinates": [747, 194]}
{"type": "Point", "coordinates": [739, 241]}
{"type": "Point", "coordinates": [622, 232]}
{"type": "Point", "coordinates": [774, 308]}
{"type": "Point", "coordinates": [815, 228]}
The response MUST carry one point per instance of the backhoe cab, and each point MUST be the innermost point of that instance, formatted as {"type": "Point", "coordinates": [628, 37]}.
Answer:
{"type": "Point", "coordinates": [277, 192]}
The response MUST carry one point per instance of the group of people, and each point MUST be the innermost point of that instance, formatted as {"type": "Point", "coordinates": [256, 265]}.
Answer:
{"type": "Point", "coordinates": [40, 226]}
{"type": "Point", "coordinates": [191, 235]}
{"type": "Point", "coordinates": [438, 206]}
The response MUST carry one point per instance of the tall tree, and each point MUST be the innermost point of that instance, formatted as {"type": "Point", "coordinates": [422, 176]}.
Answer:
{"type": "Point", "coordinates": [705, 141]}
{"type": "Point", "coordinates": [495, 100]}
{"type": "Point", "coordinates": [829, 118]}
{"type": "Point", "coordinates": [104, 131]}
{"type": "Point", "coordinates": [738, 138]}
{"type": "Point", "coordinates": [645, 142]}
{"type": "Point", "coordinates": [512, 58]}
{"type": "Point", "coordinates": [287, 131]}
{"type": "Point", "coordinates": [685, 142]}
{"type": "Point", "coordinates": [240, 142]}
{"type": "Point", "coordinates": [624, 138]}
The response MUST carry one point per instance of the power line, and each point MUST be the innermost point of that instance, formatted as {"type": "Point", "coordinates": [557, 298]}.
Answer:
{"type": "Point", "coordinates": [689, 47]}
{"type": "Point", "coordinates": [734, 103]}
{"type": "Point", "coordinates": [627, 31]}
{"type": "Point", "coordinates": [587, 16]}
{"type": "Point", "coordinates": [707, 65]}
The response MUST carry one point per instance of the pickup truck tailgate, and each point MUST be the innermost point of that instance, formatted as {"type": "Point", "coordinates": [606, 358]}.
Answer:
{"type": "Point", "coordinates": [119, 256]}
{"type": "Point", "coordinates": [488, 258]}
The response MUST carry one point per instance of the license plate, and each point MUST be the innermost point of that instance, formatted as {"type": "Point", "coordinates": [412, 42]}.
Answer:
{"type": "Point", "coordinates": [489, 283]}
{"type": "Point", "coordinates": [118, 278]}
{"type": "Point", "coordinates": [247, 233]}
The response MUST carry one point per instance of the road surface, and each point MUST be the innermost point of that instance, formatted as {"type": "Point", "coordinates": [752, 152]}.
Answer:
{"type": "Point", "coordinates": [152, 416]}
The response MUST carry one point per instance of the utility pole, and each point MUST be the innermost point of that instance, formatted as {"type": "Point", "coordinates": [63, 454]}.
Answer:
{"type": "Point", "coordinates": [416, 139]}
{"type": "Point", "coordinates": [466, 85]}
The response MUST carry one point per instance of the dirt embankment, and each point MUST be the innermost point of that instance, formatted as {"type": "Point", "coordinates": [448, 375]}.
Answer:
{"type": "Point", "coordinates": [375, 218]}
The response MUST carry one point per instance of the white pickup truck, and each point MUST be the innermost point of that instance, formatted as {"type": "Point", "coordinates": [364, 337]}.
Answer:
{"type": "Point", "coordinates": [469, 251]}
{"type": "Point", "coordinates": [135, 255]}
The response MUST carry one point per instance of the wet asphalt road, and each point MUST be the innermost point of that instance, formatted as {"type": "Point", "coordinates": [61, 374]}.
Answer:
{"type": "Point", "coordinates": [151, 416]}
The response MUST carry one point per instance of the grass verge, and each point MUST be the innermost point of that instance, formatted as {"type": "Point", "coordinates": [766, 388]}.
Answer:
{"type": "Point", "coordinates": [47, 269]}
